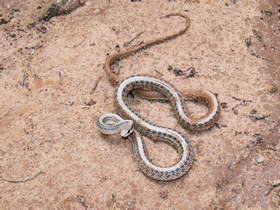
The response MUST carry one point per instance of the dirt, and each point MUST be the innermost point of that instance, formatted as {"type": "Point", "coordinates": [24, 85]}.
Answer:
{"type": "Point", "coordinates": [53, 88]}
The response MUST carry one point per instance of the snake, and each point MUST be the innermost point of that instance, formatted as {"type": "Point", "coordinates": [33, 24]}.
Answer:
{"type": "Point", "coordinates": [135, 124]}
{"type": "Point", "coordinates": [132, 124]}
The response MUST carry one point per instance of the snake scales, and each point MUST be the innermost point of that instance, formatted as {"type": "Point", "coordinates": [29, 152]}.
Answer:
{"type": "Point", "coordinates": [153, 88]}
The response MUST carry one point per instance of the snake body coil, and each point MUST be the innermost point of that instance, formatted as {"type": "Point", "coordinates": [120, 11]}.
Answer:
{"type": "Point", "coordinates": [153, 131]}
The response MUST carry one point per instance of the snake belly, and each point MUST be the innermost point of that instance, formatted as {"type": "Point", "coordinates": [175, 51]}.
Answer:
{"type": "Point", "coordinates": [146, 128]}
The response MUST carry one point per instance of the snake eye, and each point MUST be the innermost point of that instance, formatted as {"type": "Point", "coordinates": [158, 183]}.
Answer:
{"type": "Point", "coordinates": [127, 128]}
{"type": "Point", "coordinates": [127, 133]}
{"type": "Point", "coordinates": [130, 131]}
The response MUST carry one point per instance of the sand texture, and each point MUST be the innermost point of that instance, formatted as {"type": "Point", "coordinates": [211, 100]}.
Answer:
{"type": "Point", "coordinates": [53, 88]}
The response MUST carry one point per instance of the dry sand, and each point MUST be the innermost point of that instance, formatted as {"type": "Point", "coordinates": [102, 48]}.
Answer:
{"type": "Point", "coordinates": [50, 143]}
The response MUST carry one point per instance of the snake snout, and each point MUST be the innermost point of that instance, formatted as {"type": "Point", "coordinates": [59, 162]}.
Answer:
{"type": "Point", "coordinates": [127, 128]}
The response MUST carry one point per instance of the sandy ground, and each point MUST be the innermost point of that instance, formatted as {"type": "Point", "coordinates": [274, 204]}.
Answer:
{"type": "Point", "coordinates": [51, 153]}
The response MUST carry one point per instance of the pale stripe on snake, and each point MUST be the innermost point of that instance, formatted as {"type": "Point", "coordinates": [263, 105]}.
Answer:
{"type": "Point", "coordinates": [111, 123]}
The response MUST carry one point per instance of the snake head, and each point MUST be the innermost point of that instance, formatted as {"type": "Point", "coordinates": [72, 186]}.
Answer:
{"type": "Point", "coordinates": [112, 123]}
{"type": "Point", "coordinates": [126, 128]}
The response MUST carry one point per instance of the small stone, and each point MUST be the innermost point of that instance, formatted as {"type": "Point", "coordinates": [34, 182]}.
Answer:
{"type": "Point", "coordinates": [253, 111]}
{"type": "Point", "coordinates": [169, 68]}
{"type": "Point", "coordinates": [224, 105]}
{"type": "Point", "coordinates": [178, 72]}
{"type": "Point", "coordinates": [3, 21]}
{"type": "Point", "coordinates": [12, 35]}
{"type": "Point", "coordinates": [248, 42]}
{"type": "Point", "coordinates": [259, 159]}
{"type": "Point", "coordinates": [90, 102]}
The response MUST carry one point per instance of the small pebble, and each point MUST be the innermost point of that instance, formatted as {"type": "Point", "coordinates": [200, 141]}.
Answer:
{"type": "Point", "coordinates": [90, 103]}
{"type": "Point", "coordinates": [224, 105]}
{"type": "Point", "coordinates": [169, 68]}
{"type": "Point", "coordinates": [259, 159]}
{"type": "Point", "coordinates": [253, 111]}
{"type": "Point", "coordinates": [178, 72]}
{"type": "Point", "coordinates": [248, 42]}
